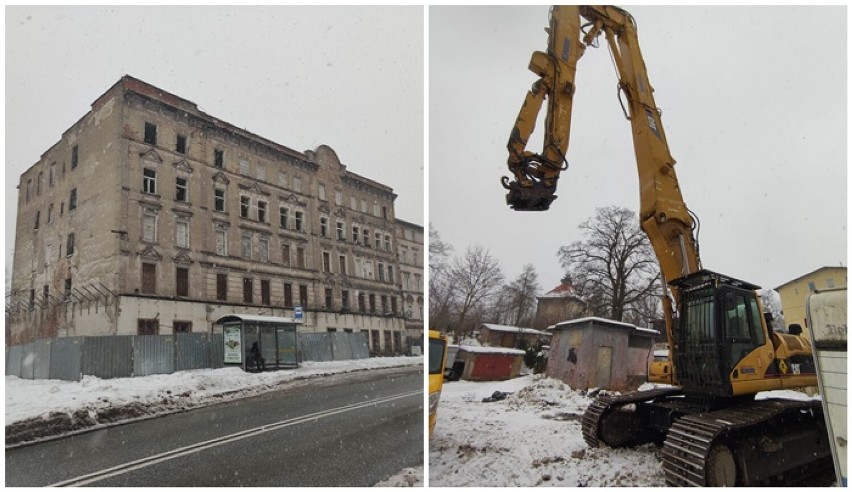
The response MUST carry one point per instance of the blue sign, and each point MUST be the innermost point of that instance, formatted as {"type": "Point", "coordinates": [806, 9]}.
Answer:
{"type": "Point", "coordinates": [298, 312]}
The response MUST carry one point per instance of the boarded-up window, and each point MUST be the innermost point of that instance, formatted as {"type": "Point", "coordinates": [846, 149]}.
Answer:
{"type": "Point", "coordinates": [264, 292]}
{"type": "Point", "coordinates": [149, 278]}
{"type": "Point", "coordinates": [182, 234]}
{"type": "Point", "coordinates": [328, 298]}
{"type": "Point", "coordinates": [263, 250]}
{"type": "Point", "coordinates": [362, 302]}
{"type": "Point", "coordinates": [248, 290]}
{"type": "Point", "coordinates": [218, 158]}
{"type": "Point", "coordinates": [221, 248]}
{"type": "Point", "coordinates": [393, 304]}
{"type": "Point", "coordinates": [149, 228]}
{"type": "Point", "coordinates": [300, 257]}
{"type": "Point", "coordinates": [397, 341]}
{"type": "Point", "coordinates": [372, 303]}
{"type": "Point", "coordinates": [182, 282]}
{"type": "Point", "coordinates": [575, 338]}
{"type": "Point", "coordinates": [148, 326]}
{"type": "Point", "coordinates": [221, 287]}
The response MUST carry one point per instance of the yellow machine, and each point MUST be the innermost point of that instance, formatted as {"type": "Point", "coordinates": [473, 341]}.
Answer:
{"type": "Point", "coordinates": [660, 369]}
{"type": "Point", "coordinates": [712, 429]}
{"type": "Point", "coordinates": [437, 359]}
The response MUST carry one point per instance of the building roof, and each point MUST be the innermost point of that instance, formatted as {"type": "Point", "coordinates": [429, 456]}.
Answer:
{"type": "Point", "coordinates": [490, 350]}
{"type": "Point", "coordinates": [807, 274]}
{"type": "Point", "coordinates": [514, 329]}
{"type": "Point", "coordinates": [602, 321]}
{"type": "Point", "coordinates": [257, 319]}
{"type": "Point", "coordinates": [561, 290]}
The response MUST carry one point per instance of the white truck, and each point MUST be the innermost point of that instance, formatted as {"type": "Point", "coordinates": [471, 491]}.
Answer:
{"type": "Point", "coordinates": [826, 320]}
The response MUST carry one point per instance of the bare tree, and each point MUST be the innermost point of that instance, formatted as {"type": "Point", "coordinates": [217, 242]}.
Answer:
{"type": "Point", "coordinates": [772, 304]}
{"type": "Point", "coordinates": [613, 267]}
{"type": "Point", "coordinates": [441, 291]}
{"type": "Point", "coordinates": [475, 277]}
{"type": "Point", "coordinates": [521, 296]}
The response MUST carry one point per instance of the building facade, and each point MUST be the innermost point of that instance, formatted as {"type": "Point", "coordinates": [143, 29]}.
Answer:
{"type": "Point", "coordinates": [150, 216]}
{"type": "Point", "coordinates": [410, 243]}
{"type": "Point", "coordinates": [794, 294]}
{"type": "Point", "coordinates": [559, 304]}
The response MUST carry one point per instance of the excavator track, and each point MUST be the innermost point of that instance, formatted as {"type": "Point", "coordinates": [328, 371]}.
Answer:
{"type": "Point", "coordinates": [604, 404]}
{"type": "Point", "coordinates": [694, 453]}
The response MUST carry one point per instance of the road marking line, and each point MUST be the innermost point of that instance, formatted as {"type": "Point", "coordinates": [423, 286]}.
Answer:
{"type": "Point", "coordinates": [194, 448]}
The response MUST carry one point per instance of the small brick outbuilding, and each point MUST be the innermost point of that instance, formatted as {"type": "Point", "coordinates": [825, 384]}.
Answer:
{"type": "Point", "coordinates": [600, 353]}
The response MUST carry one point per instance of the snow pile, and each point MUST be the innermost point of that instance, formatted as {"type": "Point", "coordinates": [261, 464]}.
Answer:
{"type": "Point", "coordinates": [40, 408]}
{"type": "Point", "coordinates": [531, 438]}
{"type": "Point", "coordinates": [408, 477]}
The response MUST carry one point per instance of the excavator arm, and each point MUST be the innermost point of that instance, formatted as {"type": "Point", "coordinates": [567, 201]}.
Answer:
{"type": "Point", "coordinates": [663, 214]}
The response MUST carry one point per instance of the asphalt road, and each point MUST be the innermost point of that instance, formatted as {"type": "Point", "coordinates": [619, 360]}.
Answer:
{"type": "Point", "coordinates": [345, 430]}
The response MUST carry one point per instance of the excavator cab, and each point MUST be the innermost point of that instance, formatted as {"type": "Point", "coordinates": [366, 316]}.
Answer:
{"type": "Point", "coordinates": [720, 324]}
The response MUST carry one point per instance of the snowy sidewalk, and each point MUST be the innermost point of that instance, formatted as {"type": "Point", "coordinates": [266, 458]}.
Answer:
{"type": "Point", "coordinates": [42, 408]}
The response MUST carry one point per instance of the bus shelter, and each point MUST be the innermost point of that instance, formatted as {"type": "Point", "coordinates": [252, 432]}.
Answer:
{"type": "Point", "coordinates": [276, 339]}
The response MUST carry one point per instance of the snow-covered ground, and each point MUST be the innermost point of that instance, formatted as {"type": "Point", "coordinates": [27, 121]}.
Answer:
{"type": "Point", "coordinates": [408, 477]}
{"type": "Point", "coordinates": [531, 438]}
{"type": "Point", "coordinates": [43, 408]}
{"type": "Point", "coordinates": [27, 398]}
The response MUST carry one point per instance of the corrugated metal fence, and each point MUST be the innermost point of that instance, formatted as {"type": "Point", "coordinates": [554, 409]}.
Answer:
{"type": "Point", "coordinates": [119, 356]}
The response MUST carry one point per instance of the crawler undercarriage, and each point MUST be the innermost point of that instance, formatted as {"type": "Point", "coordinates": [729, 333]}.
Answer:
{"type": "Point", "coordinates": [716, 442]}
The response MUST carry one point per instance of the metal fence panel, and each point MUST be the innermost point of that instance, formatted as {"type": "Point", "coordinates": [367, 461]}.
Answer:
{"type": "Point", "coordinates": [41, 361]}
{"type": "Point", "coordinates": [108, 356]}
{"type": "Point", "coordinates": [340, 346]}
{"type": "Point", "coordinates": [359, 345]}
{"type": "Point", "coordinates": [13, 361]}
{"type": "Point", "coordinates": [27, 360]}
{"type": "Point", "coordinates": [153, 354]}
{"type": "Point", "coordinates": [315, 347]}
{"type": "Point", "coordinates": [193, 351]}
{"type": "Point", "coordinates": [65, 355]}
{"type": "Point", "coordinates": [217, 350]}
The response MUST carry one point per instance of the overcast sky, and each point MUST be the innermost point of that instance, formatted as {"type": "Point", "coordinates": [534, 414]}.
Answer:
{"type": "Point", "coordinates": [753, 103]}
{"type": "Point", "coordinates": [348, 77]}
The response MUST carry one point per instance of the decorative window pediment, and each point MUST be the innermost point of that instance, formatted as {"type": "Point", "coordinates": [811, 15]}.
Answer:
{"type": "Point", "coordinates": [292, 198]}
{"type": "Point", "coordinates": [221, 178]}
{"type": "Point", "coordinates": [151, 156]}
{"type": "Point", "coordinates": [150, 253]}
{"type": "Point", "coordinates": [253, 188]}
{"type": "Point", "coordinates": [183, 166]}
{"type": "Point", "coordinates": [183, 258]}
{"type": "Point", "coordinates": [324, 208]}
{"type": "Point", "coordinates": [340, 212]}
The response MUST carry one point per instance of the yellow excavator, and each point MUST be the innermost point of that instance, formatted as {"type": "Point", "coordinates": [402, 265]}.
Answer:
{"type": "Point", "coordinates": [712, 430]}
